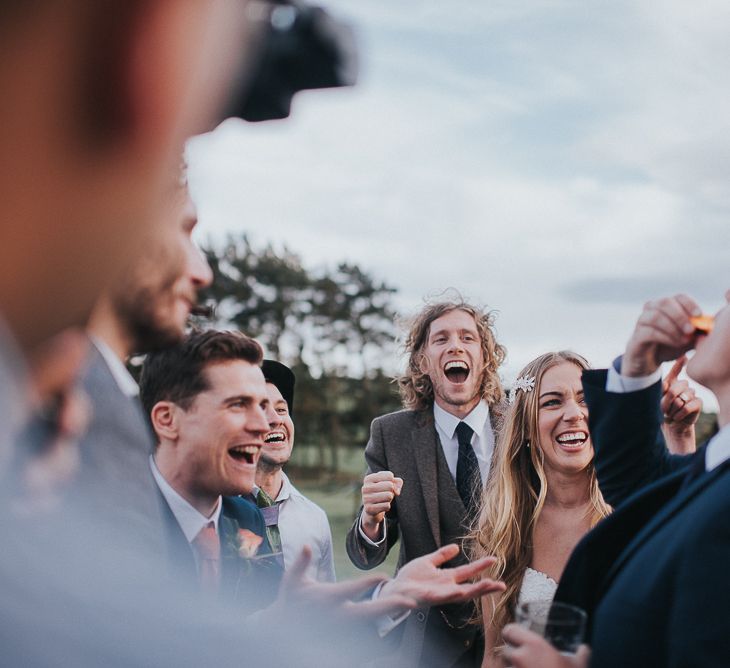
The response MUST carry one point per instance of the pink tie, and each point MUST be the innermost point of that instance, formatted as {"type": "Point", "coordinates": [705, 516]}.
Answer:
{"type": "Point", "coordinates": [208, 549]}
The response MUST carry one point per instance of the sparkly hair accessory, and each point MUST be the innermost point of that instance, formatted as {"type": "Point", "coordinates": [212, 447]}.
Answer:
{"type": "Point", "coordinates": [525, 383]}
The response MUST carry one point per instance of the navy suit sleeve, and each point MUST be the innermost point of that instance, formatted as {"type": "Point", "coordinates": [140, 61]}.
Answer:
{"type": "Point", "coordinates": [630, 451]}
{"type": "Point", "coordinates": [361, 553]}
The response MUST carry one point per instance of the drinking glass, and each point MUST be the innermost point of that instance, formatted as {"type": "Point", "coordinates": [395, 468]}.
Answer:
{"type": "Point", "coordinates": [562, 625]}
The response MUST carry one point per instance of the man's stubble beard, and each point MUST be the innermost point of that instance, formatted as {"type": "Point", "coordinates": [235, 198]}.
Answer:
{"type": "Point", "coordinates": [268, 466]}
{"type": "Point", "coordinates": [438, 392]}
{"type": "Point", "coordinates": [139, 317]}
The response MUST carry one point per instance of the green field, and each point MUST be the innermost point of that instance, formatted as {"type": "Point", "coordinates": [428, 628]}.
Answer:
{"type": "Point", "coordinates": [341, 502]}
{"type": "Point", "coordinates": [339, 496]}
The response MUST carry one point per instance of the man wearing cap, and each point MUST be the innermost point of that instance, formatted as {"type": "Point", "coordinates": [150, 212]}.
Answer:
{"type": "Point", "coordinates": [292, 519]}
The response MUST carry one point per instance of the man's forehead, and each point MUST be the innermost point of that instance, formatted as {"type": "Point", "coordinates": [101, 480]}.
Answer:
{"type": "Point", "coordinates": [237, 375]}
{"type": "Point", "coordinates": [274, 392]}
{"type": "Point", "coordinates": [189, 212]}
{"type": "Point", "coordinates": [454, 319]}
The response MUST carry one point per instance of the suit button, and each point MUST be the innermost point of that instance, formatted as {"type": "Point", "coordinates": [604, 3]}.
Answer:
{"type": "Point", "coordinates": [420, 616]}
{"type": "Point", "coordinates": [467, 643]}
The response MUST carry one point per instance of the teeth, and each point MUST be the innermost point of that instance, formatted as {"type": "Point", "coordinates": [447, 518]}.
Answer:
{"type": "Point", "coordinates": [457, 364]}
{"type": "Point", "coordinates": [275, 437]}
{"type": "Point", "coordinates": [572, 437]}
{"type": "Point", "coordinates": [246, 449]}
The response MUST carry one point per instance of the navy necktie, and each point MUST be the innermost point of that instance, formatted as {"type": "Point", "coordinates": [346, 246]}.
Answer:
{"type": "Point", "coordinates": [468, 479]}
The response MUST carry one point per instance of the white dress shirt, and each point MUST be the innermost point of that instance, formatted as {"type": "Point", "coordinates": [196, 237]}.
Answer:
{"type": "Point", "coordinates": [482, 441]}
{"type": "Point", "coordinates": [191, 521]}
{"type": "Point", "coordinates": [302, 522]}
{"type": "Point", "coordinates": [718, 448]}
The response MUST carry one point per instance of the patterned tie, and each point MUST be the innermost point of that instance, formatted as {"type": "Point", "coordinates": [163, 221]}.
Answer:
{"type": "Point", "coordinates": [270, 511]}
{"type": "Point", "coordinates": [468, 479]}
{"type": "Point", "coordinates": [208, 548]}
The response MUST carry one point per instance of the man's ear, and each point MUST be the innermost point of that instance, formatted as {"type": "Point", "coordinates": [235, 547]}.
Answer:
{"type": "Point", "coordinates": [164, 420]}
{"type": "Point", "coordinates": [422, 363]}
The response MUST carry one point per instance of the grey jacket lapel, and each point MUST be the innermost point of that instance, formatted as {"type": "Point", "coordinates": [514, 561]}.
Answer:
{"type": "Point", "coordinates": [424, 442]}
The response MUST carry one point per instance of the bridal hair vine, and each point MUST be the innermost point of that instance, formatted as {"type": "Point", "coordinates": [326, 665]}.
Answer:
{"type": "Point", "coordinates": [525, 383]}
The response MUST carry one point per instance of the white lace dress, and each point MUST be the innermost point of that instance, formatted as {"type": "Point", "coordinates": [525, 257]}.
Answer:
{"type": "Point", "coordinates": [536, 586]}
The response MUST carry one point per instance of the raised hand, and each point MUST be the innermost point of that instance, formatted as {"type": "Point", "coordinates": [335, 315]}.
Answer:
{"type": "Point", "coordinates": [378, 491]}
{"type": "Point", "coordinates": [681, 408]}
{"type": "Point", "coordinates": [663, 332]}
{"type": "Point", "coordinates": [335, 601]}
{"type": "Point", "coordinates": [424, 581]}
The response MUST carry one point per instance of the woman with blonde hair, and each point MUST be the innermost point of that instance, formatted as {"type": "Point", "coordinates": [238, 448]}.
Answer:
{"type": "Point", "coordinates": [542, 495]}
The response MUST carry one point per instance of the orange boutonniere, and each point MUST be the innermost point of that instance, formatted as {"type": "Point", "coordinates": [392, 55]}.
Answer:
{"type": "Point", "coordinates": [248, 543]}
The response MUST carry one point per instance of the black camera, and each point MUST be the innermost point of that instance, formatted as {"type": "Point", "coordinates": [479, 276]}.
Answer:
{"type": "Point", "coordinates": [300, 47]}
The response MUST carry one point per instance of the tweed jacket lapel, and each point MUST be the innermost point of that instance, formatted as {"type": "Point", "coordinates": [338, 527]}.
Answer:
{"type": "Point", "coordinates": [425, 444]}
{"type": "Point", "coordinates": [426, 450]}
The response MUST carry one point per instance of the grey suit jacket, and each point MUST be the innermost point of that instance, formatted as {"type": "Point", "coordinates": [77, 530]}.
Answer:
{"type": "Point", "coordinates": [114, 477]}
{"type": "Point", "coordinates": [428, 513]}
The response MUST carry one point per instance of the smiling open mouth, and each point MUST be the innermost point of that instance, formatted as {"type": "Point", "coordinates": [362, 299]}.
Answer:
{"type": "Point", "coordinates": [456, 371]}
{"type": "Point", "coordinates": [573, 439]}
{"type": "Point", "coordinates": [245, 453]}
{"type": "Point", "coordinates": [275, 437]}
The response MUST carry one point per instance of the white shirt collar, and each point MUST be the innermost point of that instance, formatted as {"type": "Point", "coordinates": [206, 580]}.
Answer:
{"type": "Point", "coordinates": [718, 449]}
{"type": "Point", "coordinates": [447, 422]}
{"type": "Point", "coordinates": [119, 372]}
{"type": "Point", "coordinates": [190, 520]}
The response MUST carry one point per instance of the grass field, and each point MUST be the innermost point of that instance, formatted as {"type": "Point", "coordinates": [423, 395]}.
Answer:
{"type": "Point", "coordinates": [341, 502]}
{"type": "Point", "coordinates": [340, 499]}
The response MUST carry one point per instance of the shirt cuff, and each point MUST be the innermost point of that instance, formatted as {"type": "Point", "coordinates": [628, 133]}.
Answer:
{"type": "Point", "coordinates": [615, 382]}
{"type": "Point", "coordinates": [386, 623]}
{"type": "Point", "coordinates": [368, 540]}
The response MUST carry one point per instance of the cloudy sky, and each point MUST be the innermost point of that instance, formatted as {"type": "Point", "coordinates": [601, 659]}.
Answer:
{"type": "Point", "coordinates": [559, 161]}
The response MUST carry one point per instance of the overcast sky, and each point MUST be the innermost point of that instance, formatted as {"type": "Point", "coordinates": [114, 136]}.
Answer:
{"type": "Point", "coordinates": [560, 162]}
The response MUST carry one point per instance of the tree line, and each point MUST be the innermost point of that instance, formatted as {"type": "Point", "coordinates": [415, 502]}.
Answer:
{"type": "Point", "coordinates": [335, 327]}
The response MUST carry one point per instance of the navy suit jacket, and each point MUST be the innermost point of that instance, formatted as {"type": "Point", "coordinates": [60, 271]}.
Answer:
{"type": "Point", "coordinates": [652, 576]}
{"type": "Point", "coordinates": [253, 583]}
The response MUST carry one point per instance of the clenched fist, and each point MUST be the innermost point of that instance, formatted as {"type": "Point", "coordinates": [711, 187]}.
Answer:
{"type": "Point", "coordinates": [378, 491]}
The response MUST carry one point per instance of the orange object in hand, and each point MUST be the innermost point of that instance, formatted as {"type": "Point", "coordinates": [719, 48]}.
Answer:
{"type": "Point", "coordinates": [703, 323]}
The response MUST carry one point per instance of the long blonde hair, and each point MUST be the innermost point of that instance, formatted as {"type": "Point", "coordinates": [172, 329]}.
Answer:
{"type": "Point", "coordinates": [516, 489]}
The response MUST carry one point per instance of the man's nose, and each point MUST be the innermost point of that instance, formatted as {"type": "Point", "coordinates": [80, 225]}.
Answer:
{"type": "Point", "coordinates": [198, 268]}
{"type": "Point", "coordinates": [455, 345]}
{"type": "Point", "coordinates": [272, 417]}
{"type": "Point", "coordinates": [259, 421]}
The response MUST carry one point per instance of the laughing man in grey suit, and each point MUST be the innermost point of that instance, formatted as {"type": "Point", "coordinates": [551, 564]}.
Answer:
{"type": "Point", "coordinates": [145, 310]}
{"type": "Point", "coordinates": [432, 457]}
